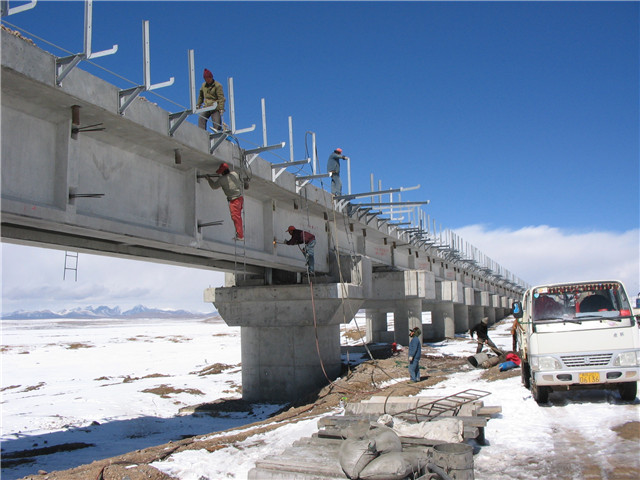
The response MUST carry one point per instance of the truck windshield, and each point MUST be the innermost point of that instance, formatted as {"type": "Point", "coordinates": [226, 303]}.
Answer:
{"type": "Point", "coordinates": [576, 303]}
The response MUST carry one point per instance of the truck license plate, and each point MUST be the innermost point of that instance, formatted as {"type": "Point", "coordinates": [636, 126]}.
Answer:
{"type": "Point", "coordinates": [590, 377]}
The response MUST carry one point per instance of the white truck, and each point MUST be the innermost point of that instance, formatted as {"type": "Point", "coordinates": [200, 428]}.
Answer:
{"type": "Point", "coordinates": [578, 335]}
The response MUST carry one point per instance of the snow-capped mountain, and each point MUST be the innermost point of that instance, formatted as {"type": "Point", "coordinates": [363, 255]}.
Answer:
{"type": "Point", "coordinates": [103, 311]}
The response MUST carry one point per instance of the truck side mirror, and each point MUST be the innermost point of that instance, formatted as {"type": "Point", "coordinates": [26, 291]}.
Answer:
{"type": "Point", "coordinates": [516, 309]}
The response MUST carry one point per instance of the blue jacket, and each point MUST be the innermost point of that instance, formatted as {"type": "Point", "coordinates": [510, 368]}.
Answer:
{"type": "Point", "coordinates": [333, 164]}
{"type": "Point", "coordinates": [415, 347]}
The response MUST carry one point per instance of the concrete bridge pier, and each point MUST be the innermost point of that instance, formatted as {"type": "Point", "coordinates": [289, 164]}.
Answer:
{"type": "Point", "coordinates": [407, 314]}
{"type": "Point", "coordinates": [443, 320]}
{"type": "Point", "coordinates": [461, 317]}
{"type": "Point", "coordinates": [377, 326]}
{"type": "Point", "coordinates": [476, 313]}
{"type": "Point", "coordinates": [281, 361]}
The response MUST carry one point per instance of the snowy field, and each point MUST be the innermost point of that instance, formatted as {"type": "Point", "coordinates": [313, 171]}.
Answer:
{"type": "Point", "coordinates": [119, 385]}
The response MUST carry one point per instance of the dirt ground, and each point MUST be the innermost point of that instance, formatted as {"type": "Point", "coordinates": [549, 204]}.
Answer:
{"type": "Point", "coordinates": [361, 383]}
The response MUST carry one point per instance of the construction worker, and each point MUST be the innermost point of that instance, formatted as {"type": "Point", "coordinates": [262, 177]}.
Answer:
{"type": "Point", "coordinates": [232, 188]}
{"type": "Point", "coordinates": [300, 237]}
{"type": "Point", "coordinates": [483, 336]}
{"type": "Point", "coordinates": [415, 349]}
{"type": "Point", "coordinates": [333, 168]}
{"type": "Point", "coordinates": [211, 92]}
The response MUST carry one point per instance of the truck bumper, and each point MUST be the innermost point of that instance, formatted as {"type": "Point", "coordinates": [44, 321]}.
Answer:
{"type": "Point", "coordinates": [587, 377]}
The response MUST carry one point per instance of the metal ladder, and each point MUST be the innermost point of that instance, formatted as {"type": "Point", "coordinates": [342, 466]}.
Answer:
{"type": "Point", "coordinates": [73, 257]}
{"type": "Point", "coordinates": [450, 403]}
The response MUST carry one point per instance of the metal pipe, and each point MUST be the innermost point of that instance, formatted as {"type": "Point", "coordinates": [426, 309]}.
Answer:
{"type": "Point", "coordinates": [290, 138]}
{"type": "Point", "coordinates": [264, 122]}
{"type": "Point", "coordinates": [315, 154]}
{"type": "Point", "coordinates": [232, 106]}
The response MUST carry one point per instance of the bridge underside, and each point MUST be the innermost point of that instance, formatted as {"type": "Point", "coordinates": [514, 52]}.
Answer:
{"type": "Point", "coordinates": [135, 188]}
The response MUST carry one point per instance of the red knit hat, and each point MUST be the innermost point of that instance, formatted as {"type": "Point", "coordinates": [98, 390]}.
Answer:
{"type": "Point", "coordinates": [207, 74]}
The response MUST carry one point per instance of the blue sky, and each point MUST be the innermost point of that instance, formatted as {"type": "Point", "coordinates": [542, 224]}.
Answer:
{"type": "Point", "coordinates": [519, 120]}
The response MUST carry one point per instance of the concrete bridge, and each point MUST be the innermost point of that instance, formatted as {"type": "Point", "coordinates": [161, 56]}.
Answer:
{"type": "Point", "coordinates": [79, 172]}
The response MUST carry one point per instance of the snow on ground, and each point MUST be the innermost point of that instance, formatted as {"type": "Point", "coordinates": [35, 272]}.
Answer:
{"type": "Point", "coordinates": [119, 385]}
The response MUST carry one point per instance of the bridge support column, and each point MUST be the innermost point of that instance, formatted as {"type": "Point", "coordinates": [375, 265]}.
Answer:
{"type": "Point", "coordinates": [280, 360]}
{"type": "Point", "coordinates": [475, 315]}
{"type": "Point", "coordinates": [461, 313]}
{"type": "Point", "coordinates": [443, 320]}
{"type": "Point", "coordinates": [407, 314]}
{"type": "Point", "coordinates": [376, 325]}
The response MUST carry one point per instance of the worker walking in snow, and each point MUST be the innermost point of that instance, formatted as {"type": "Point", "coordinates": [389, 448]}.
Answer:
{"type": "Point", "coordinates": [300, 237]}
{"type": "Point", "coordinates": [232, 188]}
{"type": "Point", "coordinates": [210, 93]}
{"type": "Point", "coordinates": [481, 330]}
{"type": "Point", "coordinates": [415, 350]}
{"type": "Point", "coordinates": [333, 168]}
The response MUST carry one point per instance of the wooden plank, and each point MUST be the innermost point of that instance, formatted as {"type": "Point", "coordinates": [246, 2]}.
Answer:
{"type": "Point", "coordinates": [327, 466]}
{"type": "Point", "coordinates": [268, 474]}
{"type": "Point", "coordinates": [345, 422]}
{"type": "Point", "coordinates": [489, 411]}
{"type": "Point", "coordinates": [325, 442]}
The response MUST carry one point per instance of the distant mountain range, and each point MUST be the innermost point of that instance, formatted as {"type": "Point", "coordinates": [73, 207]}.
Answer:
{"type": "Point", "coordinates": [139, 311]}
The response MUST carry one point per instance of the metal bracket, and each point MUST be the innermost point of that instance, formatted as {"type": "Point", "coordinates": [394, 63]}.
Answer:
{"type": "Point", "coordinates": [126, 97]}
{"type": "Point", "coordinates": [64, 65]}
{"type": "Point", "coordinates": [381, 221]}
{"type": "Point", "coordinates": [216, 140]}
{"type": "Point", "coordinates": [371, 216]}
{"type": "Point", "coordinates": [232, 111]}
{"type": "Point", "coordinates": [284, 166]}
{"type": "Point", "coordinates": [382, 204]}
{"type": "Point", "coordinates": [5, 10]}
{"type": "Point", "coordinates": [86, 195]}
{"type": "Point", "coordinates": [75, 123]}
{"type": "Point", "coordinates": [207, 175]}
{"type": "Point", "coordinates": [178, 118]}
{"type": "Point", "coordinates": [304, 180]}
{"type": "Point", "coordinates": [209, 224]}
{"type": "Point", "coordinates": [255, 151]}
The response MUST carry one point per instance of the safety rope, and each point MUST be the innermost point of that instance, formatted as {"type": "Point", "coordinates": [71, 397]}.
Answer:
{"type": "Point", "coordinates": [343, 306]}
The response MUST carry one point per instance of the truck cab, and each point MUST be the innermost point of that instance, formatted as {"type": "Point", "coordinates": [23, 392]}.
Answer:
{"type": "Point", "coordinates": [578, 335]}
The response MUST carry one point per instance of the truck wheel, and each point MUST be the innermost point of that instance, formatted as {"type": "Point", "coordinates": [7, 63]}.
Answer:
{"type": "Point", "coordinates": [628, 391]}
{"type": "Point", "coordinates": [525, 373]}
{"type": "Point", "coordinates": [540, 394]}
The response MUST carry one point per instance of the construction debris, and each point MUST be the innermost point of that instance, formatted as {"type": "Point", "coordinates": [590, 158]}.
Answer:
{"type": "Point", "coordinates": [360, 444]}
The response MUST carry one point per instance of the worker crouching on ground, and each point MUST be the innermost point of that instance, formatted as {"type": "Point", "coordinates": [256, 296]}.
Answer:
{"type": "Point", "coordinates": [232, 188]}
{"type": "Point", "coordinates": [300, 237]}
{"type": "Point", "coordinates": [483, 336]}
{"type": "Point", "coordinates": [415, 349]}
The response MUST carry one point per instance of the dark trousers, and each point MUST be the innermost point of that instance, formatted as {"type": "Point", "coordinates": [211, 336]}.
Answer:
{"type": "Point", "coordinates": [414, 369]}
{"type": "Point", "coordinates": [336, 184]}
{"type": "Point", "coordinates": [490, 344]}
{"type": "Point", "coordinates": [216, 119]}
{"type": "Point", "coordinates": [308, 251]}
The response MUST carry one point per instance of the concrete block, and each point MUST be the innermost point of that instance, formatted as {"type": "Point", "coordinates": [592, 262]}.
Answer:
{"type": "Point", "coordinates": [452, 291]}
{"type": "Point", "coordinates": [469, 296]}
{"type": "Point", "coordinates": [28, 60]}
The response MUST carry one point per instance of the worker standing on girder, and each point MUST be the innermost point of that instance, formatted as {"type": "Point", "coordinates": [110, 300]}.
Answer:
{"type": "Point", "coordinates": [415, 350]}
{"type": "Point", "coordinates": [232, 188]}
{"type": "Point", "coordinates": [300, 237]}
{"type": "Point", "coordinates": [211, 92]}
{"type": "Point", "coordinates": [333, 168]}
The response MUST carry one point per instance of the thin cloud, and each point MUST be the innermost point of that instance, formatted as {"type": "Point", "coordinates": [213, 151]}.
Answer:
{"type": "Point", "coordinates": [32, 277]}
{"type": "Point", "coordinates": [542, 254]}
